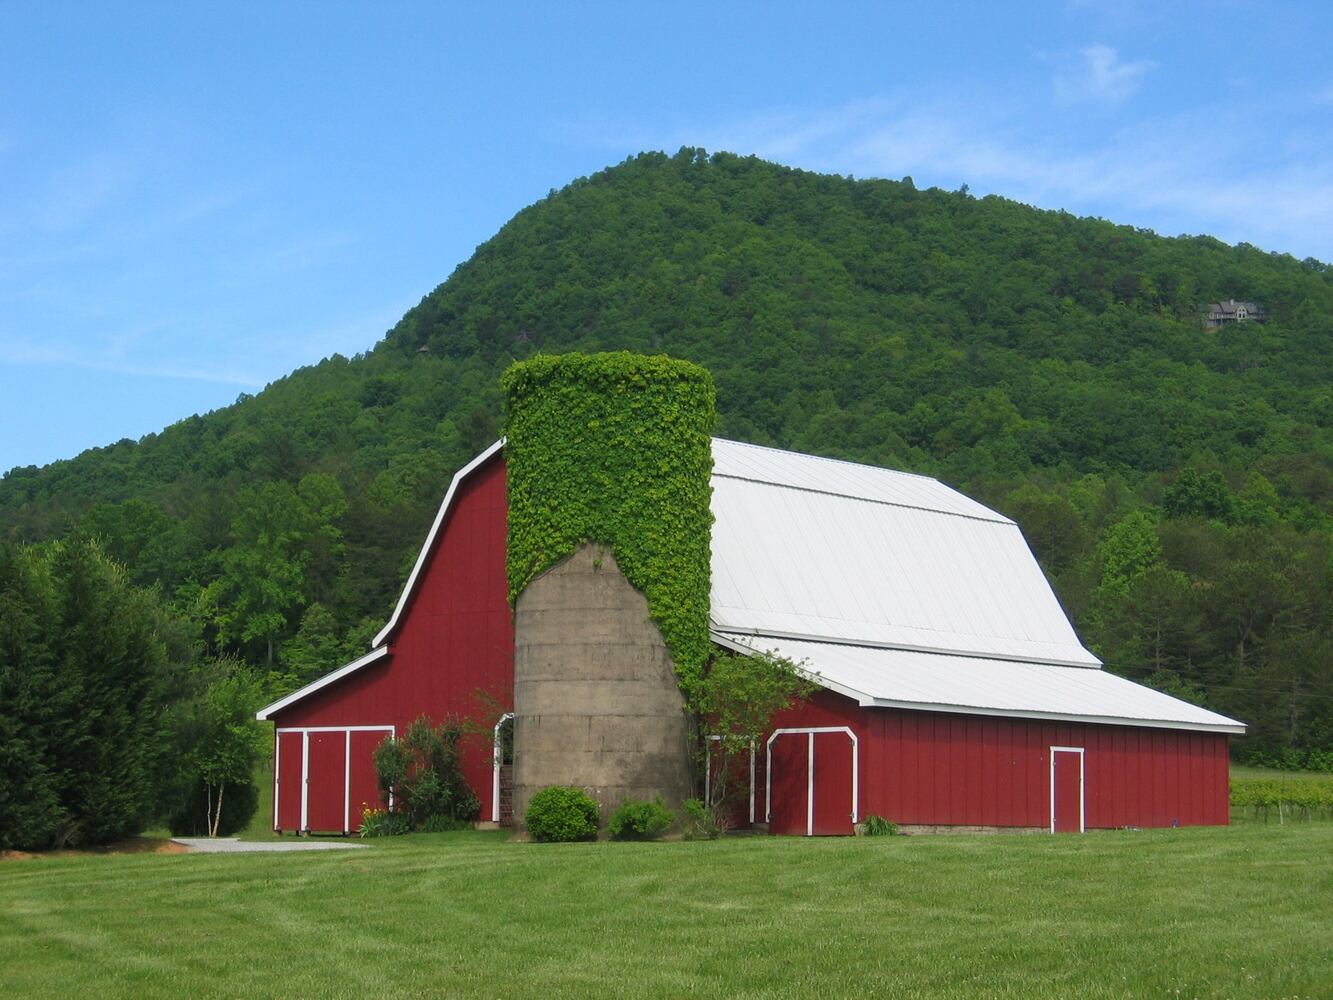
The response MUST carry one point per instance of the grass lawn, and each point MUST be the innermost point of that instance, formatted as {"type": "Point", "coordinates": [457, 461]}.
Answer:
{"type": "Point", "coordinates": [1239, 912]}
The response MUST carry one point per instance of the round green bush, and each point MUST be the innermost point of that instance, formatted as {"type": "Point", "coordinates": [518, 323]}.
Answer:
{"type": "Point", "coordinates": [636, 820]}
{"type": "Point", "coordinates": [558, 814]}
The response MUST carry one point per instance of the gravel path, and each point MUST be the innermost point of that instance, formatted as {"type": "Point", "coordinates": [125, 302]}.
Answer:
{"type": "Point", "coordinates": [230, 845]}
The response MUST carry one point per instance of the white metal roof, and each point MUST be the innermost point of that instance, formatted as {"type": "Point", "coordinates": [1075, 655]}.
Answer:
{"type": "Point", "coordinates": [736, 460]}
{"type": "Point", "coordinates": [808, 547]}
{"type": "Point", "coordinates": [974, 686]}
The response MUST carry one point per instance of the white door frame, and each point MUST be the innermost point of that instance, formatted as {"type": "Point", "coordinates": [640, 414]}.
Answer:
{"type": "Point", "coordinates": [305, 732]}
{"type": "Point", "coordinates": [810, 771]}
{"type": "Point", "coordinates": [708, 772]}
{"type": "Point", "coordinates": [1082, 793]}
{"type": "Point", "coordinates": [495, 768]}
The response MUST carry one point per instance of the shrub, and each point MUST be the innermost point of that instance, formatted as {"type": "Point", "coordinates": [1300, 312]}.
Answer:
{"type": "Point", "coordinates": [559, 814]}
{"type": "Point", "coordinates": [636, 820]}
{"type": "Point", "coordinates": [735, 702]}
{"type": "Point", "coordinates": [382, 823]}
{"type": "Point", "coordinates": [421, 771]}
{"type": "Point", "coordinates": [703, 822]}
{"type": "Point", "coordinates": [1306, 797]}
{"type": "Point", "coordinates": [878, 826]}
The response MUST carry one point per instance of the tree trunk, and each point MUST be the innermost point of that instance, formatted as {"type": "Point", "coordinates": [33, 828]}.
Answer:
{"type": "Point", "coordinates": [217, 815]}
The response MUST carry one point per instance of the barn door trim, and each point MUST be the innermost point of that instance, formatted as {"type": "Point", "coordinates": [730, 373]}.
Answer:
{"type": "Point", "coordinates": [277, 770]}
{"type": "Point", "coordinates": [305, 732]}
{"type": "Point", "coordinates": [1082, 792]}
{"type": "Point", "coordinates": [305, 778]}
{"type": "Point", "coordinates": [810, 771]}
{"type": "Point", "coordinates": [497, 758]}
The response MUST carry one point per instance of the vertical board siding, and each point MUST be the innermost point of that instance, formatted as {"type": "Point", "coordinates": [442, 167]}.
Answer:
{"type": "Point", "coordinates": [364, 790]}
{"type": "Point", "coordinates": [326, 782]}
{"type": "Point", "coordinates": [451, 656]}
{"type": "Point", "coordinates": [833, 784]}
{"type": "Point", "coordinates": [790, 756]}
{"type": "Point", "coordinates": [289, 752]}
{"type": "Point", "coordinates": [935, 768]}
{"type": "Point", "coordinates": [1067, 791]}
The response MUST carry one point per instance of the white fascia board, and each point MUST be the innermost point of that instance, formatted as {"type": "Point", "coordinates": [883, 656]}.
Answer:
{"type": "Point", "coordinates": [268, 711]}
{"type": "Point", "coordinates": [1099, 720]}
{"type": "Point", "coordinates": [1092, 663]}
{"type": "Point", "coordinates": [422, 556]}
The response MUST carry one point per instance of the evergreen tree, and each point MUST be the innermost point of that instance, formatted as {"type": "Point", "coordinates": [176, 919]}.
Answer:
{"type": "Point", "coordinates": [79, 709]}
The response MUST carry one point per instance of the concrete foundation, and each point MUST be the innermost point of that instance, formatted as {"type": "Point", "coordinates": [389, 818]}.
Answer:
{"type": "Point", "coordinates": [596, 702]}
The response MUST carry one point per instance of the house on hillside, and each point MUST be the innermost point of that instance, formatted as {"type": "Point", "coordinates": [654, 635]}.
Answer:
{"type": "Point", "coordinates": [1223, 313]}
{"type": "Point", "coordinates": [953, 690]}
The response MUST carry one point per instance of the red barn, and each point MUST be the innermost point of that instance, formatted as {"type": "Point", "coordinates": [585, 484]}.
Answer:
{"type": "Point", "coordinates": [954, 689]}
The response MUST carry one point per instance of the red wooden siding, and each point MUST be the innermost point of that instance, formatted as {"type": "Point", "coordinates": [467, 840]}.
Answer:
{"type": "Point", "coordinates": [832, 812]}
{"type": "Point", "coordinates": [735, 776]}
{"type": "Point", "coordinates": [789, 754]}
{"type": "Point", "coordinates": [451, 655]}
{"type": "Point", "coordinates": [325, 782]}
{"type": "Point", "coordinates": [934, 768]}
{"type": "Point", "coordinates": [363, 790]}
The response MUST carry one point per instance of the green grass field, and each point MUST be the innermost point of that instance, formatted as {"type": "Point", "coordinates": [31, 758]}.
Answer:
{"type": "Point", "coordinates": [1239, 912]}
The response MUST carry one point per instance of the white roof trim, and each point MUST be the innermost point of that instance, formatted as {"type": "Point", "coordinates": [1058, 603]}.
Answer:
{"type": "Point", "coordinates": [459, 476]}
{"type": "Point", "coordinates": [1100, 720]}
{"type": "Point", "coordinates": [268, 711]}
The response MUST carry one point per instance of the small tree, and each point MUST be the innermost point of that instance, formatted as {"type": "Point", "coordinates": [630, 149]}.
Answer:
{"type": "Point", "coordinates": [422, 773]}
{"type": "Point", "coordinates": [735, 705]}
{"type": "Point", "coordinates": [231, 742]}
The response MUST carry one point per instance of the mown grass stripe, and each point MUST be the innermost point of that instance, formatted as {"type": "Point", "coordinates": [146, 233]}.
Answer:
{"type": "Point", "coordinates": [1209, 912]}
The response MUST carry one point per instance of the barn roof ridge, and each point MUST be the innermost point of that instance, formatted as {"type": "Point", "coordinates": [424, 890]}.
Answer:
{"type": "Point", "coordinates": [823, 458]}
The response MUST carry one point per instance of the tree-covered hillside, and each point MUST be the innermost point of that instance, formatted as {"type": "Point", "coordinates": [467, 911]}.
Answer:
{"type": "Point", "coordinates": [1174, 481]}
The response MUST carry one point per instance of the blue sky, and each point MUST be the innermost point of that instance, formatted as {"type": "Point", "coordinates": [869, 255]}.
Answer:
{"type": "Point", "coordinates": [193, 202]}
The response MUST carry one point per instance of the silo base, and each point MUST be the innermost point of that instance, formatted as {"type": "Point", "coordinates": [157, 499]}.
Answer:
{"type": "Point", "coordinates": [596, 701]}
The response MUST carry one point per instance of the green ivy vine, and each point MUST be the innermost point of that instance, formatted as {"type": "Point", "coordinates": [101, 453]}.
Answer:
{"type": "Point", "coordinates": [615, 449]}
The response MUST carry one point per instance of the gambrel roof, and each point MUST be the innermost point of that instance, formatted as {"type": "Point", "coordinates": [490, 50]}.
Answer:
{"type": "Point", "coordinates": [890, 588]}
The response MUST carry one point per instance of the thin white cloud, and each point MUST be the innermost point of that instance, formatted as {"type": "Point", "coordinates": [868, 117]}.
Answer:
{"type": "Point", "coordinates": [1150, 175]}
{"type": "Point", "coordinates": [1098, 74]}
{"type": "Point", "coordinates": [31, 354]}
{"type": "Point", "coordinates": [79, 191]}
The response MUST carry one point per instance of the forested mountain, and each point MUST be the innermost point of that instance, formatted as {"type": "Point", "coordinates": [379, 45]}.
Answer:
{"type": "Point", "coordinates": [1175, 481]}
